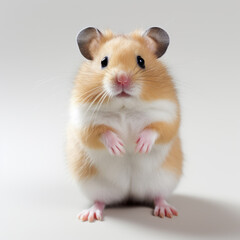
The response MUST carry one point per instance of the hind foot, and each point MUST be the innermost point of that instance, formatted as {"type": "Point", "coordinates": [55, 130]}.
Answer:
{"type": "Point", "coordinates": [163, 208]}
{"type": "Point", "coordinates": [93, 213]}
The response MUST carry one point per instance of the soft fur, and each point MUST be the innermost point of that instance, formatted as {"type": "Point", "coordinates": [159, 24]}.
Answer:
{"type": "Point", "coordinates": [95, 109]}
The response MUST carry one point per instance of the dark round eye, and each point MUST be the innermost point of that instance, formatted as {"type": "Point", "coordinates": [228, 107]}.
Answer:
{"type": "Point", "coordinates": [140, 62]}
{"type": "Point", "coordinates": [104, 62]}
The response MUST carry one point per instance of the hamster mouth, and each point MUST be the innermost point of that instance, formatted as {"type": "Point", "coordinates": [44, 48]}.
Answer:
{"type": "Point", "coordinates": [123, 94]}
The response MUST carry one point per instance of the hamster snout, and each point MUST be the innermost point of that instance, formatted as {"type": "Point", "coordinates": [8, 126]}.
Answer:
{"type": "Point", "coordinates": [122, 84]}
{"type": "Point", "coordinates": [123, 80]}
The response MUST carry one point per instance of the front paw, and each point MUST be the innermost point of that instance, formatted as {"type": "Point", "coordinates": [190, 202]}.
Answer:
{"type": "Point", "coordinates": [146, 141]}
{"type": "Point", "coordinates": [113, 143]}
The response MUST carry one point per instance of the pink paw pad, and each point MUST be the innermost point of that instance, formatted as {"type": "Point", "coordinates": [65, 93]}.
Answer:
{"type": "Point", "coordinates": [164, 209]}
{"type": "Point", "coordinates": [113, 143]}
{"type": "Point", "coordinates": [146, 141]}
{"type": "Point", "coordinates": [93, 213]}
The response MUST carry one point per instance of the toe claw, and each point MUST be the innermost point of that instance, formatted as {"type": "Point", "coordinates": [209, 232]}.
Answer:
{"type": "Point", "coordinates": [156, 211]}
{"type": "Point", "coordinates": [84, 217]}
{"type": "Point", "coordinates": [98, 215]}
{"type": "Point", "coordinates": [174, 211]}
{"type": "Point", "coordinates": [162, 212]}
{"type": "Point", "coordinates": [91, 216]}
{"type": "Point", "coordinates": [168, 212]}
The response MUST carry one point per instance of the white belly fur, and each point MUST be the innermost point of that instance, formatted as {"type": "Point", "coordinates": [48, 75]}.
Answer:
{"type": "Point", "coordinates": [132, 175]}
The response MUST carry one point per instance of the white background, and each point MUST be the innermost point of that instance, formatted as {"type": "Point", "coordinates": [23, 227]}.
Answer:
{"type": "Point", "coordinates": [39, 58]}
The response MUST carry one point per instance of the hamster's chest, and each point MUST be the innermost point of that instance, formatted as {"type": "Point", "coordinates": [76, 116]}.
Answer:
{"type": "Point", "coordinates": [127, 123]}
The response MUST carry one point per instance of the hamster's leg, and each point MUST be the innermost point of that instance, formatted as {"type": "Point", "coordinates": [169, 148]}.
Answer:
{"type": "Point", "coordinates": [94, 212]}
{"type": "Point", "coordinates": [173, 165]}
{"type": "Point", "coordinates": [163, 208]}
{"type": "Point", "coordinates": [84, 169]}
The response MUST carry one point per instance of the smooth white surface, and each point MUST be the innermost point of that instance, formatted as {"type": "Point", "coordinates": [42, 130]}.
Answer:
{"type": "Point", "coordinates": [38, 61]}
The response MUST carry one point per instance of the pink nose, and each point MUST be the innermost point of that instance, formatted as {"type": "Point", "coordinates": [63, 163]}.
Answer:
{"type": "Point", "coordinates": [123, 79]}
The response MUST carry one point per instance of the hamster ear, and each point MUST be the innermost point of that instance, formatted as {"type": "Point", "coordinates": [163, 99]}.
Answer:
{"type": "Point", "coordinates": [88, 40]}
{"type": "Point", "coordinates": [160, 40]}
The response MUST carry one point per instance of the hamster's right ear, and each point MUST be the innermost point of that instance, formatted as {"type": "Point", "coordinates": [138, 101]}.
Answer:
{"type": "Point", "coordinates": [159, 40]}
{"type": "Point", "coordinates": [88, 41]}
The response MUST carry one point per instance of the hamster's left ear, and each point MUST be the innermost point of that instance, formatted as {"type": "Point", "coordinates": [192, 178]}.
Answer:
{"type": "Point", "coordinates": [158, 40]}
{"type": "Point", "coordinates": [88, 41]}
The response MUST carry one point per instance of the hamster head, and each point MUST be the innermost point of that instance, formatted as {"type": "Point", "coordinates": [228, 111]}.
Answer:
{"type": "Point", "coordinates": [122, 67]}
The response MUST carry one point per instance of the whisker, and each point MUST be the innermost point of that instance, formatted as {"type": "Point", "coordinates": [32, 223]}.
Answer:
{"type": "Point", "coordinates": [92, 95]}
{"type": "Point", "coordinates": [94, 100]}
{"type": "Point", "coordinates": [91, 90]}
{"type": "Point", "coordinates": [95, 110]}
{"type": "Point", "coordinates": [105, 95]}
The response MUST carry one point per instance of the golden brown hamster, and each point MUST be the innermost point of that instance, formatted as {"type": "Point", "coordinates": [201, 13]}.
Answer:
{"type": "Point", "coordinates": [123, 140]}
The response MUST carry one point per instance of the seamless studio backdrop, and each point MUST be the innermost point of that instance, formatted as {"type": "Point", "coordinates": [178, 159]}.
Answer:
{"type": "Point", "coordinates": [39, 59]}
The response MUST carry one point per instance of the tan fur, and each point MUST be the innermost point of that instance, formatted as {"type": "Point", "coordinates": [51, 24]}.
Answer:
{"type": "Point", "coordinates": [167, 131]}
{"type": "Point", "coordinates": [155, 81]}
{"type": "Point", "coordinates": [88, 85]}
{"type": "Point", "coordinates": [90, 137]}
{"type": "Point", "coordinates": [158, 84]}
{"type": "Point", "coordinates": [78, 161]}
{"type": "Point", "coordinates": [174, 160]}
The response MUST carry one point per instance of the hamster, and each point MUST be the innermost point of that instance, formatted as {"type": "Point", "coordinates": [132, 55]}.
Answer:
{"type": "Point", "coordinates": [122, 138]}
